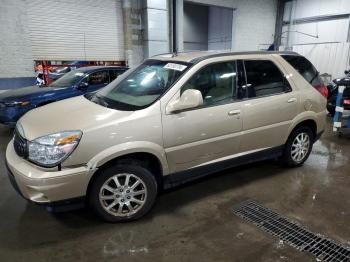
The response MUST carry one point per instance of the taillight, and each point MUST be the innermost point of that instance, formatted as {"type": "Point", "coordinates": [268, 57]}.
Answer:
{"type": "Point", "coordinates": [323, 90]}
{"type": "Point", "coordinates": [346, 102]}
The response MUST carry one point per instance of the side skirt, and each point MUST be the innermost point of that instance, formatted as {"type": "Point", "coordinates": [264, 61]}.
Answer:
{"type": "Point", "coordinates": [178, 178]}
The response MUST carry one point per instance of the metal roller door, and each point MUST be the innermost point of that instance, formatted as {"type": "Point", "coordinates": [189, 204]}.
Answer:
{"type": "Point", "coordinates": [76, 30]}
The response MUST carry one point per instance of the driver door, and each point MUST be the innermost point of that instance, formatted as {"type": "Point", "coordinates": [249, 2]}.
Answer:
{"type": "Point", "coordinates": [208, 134]}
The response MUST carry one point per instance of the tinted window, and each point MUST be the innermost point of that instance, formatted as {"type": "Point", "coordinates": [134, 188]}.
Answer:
{"type": "Point", "coordinates": [264, 79]}
{"type": "Point", "coordinates": [98, 78]}
{"type": "Point", "coordinates": [305, 68]}
{"type": "Point", "coordinates": [216, 82]}
{"type": "Point", "coordinates": [113, 74]}
{"type": "Point", "coordinates": [68, 79]}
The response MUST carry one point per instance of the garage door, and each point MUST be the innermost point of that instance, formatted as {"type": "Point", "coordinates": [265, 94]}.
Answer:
{"type": "Point", "coordinates": [76, 30]}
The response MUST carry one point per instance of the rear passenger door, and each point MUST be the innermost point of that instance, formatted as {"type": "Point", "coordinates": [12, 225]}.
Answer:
{"type": "Point", "coordinates": [270, 105]}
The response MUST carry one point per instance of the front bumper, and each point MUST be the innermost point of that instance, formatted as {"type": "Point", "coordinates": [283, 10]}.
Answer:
{"type": "Point", "coordinates": [46, 186]}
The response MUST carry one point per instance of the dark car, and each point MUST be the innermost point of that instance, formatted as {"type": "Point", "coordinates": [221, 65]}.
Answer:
{"type": "Point", "coordinates": [15, 103]}
{"type": "Point", "coordinates": [58, 72]}
{"type": "Point", "coordinates": [333, 92]}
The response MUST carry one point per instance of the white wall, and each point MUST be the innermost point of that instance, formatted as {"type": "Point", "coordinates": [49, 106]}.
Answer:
{"type": "Point", "coordinates": [309, 8]}
{"type": "Point", "coordinates": [156, 27]}
{"type": "Point", "coordinates": [328, 58]}
{"type": "Point", "coordinates": [325, 31]}
{"type": "Point", "coordinates": [207, 27]}
{"type": "Point", "coordinates": [15, 51]}
{"type": "Point", "coordinates": [220, 28]}
{"type": "Point", "coordinates": [326, 44]}
{"type": "Point", "coordinates": [255, 21]}
{"type": "Point", "coordinates": [195, 27]}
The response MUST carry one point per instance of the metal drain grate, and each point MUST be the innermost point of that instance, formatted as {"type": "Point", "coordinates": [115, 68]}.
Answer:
{"type": "Point", "coordinates": [292, 233]}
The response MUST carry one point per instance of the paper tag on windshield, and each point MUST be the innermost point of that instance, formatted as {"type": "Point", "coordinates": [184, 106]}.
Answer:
{"type": "Point", "coordinates": [177, 67]}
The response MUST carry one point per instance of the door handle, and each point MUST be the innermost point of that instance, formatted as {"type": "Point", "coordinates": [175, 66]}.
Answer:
{"type": "Point", "coordinates": [292, 100]}
{"type": "Point", "coordinates": [234, 112]}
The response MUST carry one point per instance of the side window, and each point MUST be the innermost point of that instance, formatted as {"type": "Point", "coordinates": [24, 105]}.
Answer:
{"type": "Point", "coordinates": [305, 68]}
{"type": "Point", "coordinates": [264, 79]}
{"type": "Point", "coordinates": [216, 82]}
{"type": "Point", "coordinates": [113, 74]}
{"type": "Point", "coordinates": [98, 78]}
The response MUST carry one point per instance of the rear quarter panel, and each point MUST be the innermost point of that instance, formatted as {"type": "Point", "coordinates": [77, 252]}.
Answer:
{"type": "Point", "coordinates": [312, 105]}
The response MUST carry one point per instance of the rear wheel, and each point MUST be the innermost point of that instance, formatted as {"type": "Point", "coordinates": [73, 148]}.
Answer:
{"type": "Point", "coordinates": [298, 147]}
{"type": "Point", "coordinates": [123, 193]}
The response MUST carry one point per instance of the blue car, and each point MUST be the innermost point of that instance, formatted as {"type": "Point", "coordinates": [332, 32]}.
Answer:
{"type": "Point", "coordinates": [15, 103]}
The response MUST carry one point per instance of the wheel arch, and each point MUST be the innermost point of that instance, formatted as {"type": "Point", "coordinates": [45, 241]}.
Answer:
{"type": "Point", "coordinates": [144, 159]}
{"type": "Point", "coordinates": [311, 123]}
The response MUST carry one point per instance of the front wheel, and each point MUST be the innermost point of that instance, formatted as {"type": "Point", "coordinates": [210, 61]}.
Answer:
{"type": "Point", "coordinates": [298, 147]}
{"type": "Point", "coordinates": [123, 193]}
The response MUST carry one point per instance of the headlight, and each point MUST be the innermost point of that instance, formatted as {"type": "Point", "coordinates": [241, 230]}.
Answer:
{"type": "Point", "coordinates": [17, 103]}
{"type": "Point", "coordinates": [51, 150]}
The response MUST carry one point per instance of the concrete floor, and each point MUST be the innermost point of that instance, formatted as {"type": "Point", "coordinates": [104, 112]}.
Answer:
{"type": "Point", "coordinates": [193, 222]}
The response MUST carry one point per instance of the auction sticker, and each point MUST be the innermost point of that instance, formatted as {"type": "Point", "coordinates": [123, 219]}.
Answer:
{"type": "Point", "coordinates": [177, 67]}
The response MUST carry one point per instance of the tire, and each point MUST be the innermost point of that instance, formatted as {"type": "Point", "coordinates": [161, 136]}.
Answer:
{"type": "Point", "coordinates": [292, 159]}
{"type": "Point", "coordinates": [106, 197]}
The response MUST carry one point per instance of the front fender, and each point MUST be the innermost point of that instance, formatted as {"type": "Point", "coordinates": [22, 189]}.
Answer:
{"type": "Point", "coordinates": [129, 148]}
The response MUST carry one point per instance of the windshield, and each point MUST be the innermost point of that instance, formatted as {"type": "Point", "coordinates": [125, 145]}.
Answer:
{"type": "Point", "coordinates": [68, 79]}
{"type": "Point", "coordinates": [142, 86]}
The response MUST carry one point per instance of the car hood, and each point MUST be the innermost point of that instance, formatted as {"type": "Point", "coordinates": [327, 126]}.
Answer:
{"type": "Point", "coordinates": [76, 113]}
{"type": "Point", "coordinates": [26, 92]}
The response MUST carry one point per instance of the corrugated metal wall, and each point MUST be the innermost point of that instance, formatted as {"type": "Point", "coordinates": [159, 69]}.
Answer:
{"type": "Point", "coordinates": [76, 30]}
{"type": "Point", "coordinates": [319, 30]}
{"type": "Point", "coordinates": [332, 58]}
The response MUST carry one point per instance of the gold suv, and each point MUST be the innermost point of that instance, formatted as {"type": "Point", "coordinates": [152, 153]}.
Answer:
{"type": "Point", "coordinates": [173, 118]}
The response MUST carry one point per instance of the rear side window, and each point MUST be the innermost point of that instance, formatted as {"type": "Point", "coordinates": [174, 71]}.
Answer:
{"type": "Point", "coordinates": [305, 68]}
{"type": "Point", "coordinates": [264, 79]}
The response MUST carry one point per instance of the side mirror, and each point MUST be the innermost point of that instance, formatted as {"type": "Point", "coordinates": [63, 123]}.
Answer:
{"type": "Point", "coordinates": [191, 98]}
{"type": "Point", "coordinates": [83, 85]}
{"type": "Point", "coordinates": [346, 72]}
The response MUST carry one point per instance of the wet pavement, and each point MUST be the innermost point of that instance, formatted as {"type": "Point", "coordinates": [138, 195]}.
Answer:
{"type": "Point", "coordinates": [193, 222]}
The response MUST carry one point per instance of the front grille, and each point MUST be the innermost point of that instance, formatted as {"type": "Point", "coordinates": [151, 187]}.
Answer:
{"type": "Point", "coordinates": [291, 233]}
{"type": "Point", "coordinates": [20, 144]}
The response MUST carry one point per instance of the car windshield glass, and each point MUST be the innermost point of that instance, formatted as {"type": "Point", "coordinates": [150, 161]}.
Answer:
{"type": "Point", "coordinates": [142, 86]}
{"type": "Point", "coordinates": [68, 79]}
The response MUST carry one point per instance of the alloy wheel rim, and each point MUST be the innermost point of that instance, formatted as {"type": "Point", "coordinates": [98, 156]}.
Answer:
{"type": "Point", "coordinates": [123, 195]}
{"type": "Point", "coordinates": [300, 147]}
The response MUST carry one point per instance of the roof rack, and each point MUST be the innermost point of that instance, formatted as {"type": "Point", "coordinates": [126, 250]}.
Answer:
{"type": "Point", "coordinates": [204, 57]}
